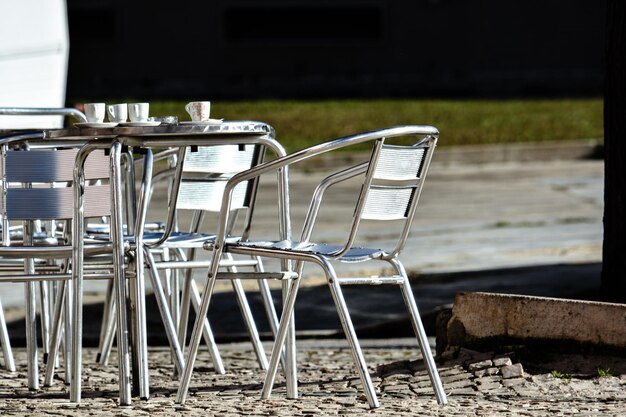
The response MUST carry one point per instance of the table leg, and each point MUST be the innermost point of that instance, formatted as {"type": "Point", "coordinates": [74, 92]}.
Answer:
{"type": "Point", "coordinates": [76, 289]}
{"type": "Point", "coordinates": [117, 236]}
{"type": "Point", "coordinates": [139, 350]}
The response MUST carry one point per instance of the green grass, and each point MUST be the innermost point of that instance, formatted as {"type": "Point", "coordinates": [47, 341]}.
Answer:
{"type": "Point", "coordinates": [605, 372]}
{"type": "Point", "coordinates": [564, 377]}
{"type": "Point", "coordinates": [460, 122]}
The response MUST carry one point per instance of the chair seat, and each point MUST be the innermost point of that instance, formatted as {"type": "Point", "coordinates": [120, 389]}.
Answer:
{"type": "Point", "coordinates": [104, 228]}
{"type": "Point", "coordinates": [180, 239]}
{"type": "Point", "coordinates": [326, 250]}
{"type": "Point", "coordinates": [186, 239]}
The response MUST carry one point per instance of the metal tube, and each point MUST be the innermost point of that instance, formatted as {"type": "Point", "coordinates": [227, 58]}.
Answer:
{"type": "Point", "coordinates": [55, 339]}
{"type": "Point", "coordinates": [31, 314]}
{"type": "Point", "coordinates": [9, 362]}
{"type": "Point", "coordinates": [117, 236]}
{"type": "Point", "coordinates": [418, 327]}
{"type": "Point", "coordinates": [43, 111]}
{"type": "Point", "coordinates": [170, 328]}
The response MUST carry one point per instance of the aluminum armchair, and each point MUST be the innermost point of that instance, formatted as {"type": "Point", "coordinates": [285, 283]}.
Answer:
{"type": "Point", "coordinates": [392, 181]}
{"type": "Point", "coordinates": [15, 232]}
{"type": "Point", "coordinates": [37, 186]}
{"type": "Point", "coordinates": [199, 177]}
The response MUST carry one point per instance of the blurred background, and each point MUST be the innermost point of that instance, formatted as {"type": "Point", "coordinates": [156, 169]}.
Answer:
{"type": "Point", "coordinates": [482, 71]}
{"type": "Point", "coordinates": [242, 49]}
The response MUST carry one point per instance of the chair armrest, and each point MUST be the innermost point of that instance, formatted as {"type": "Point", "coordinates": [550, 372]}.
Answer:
{"type": "Point", "coordinates": [283, 162]}
{"type": "Point", "coordinates": [43, 111]}
{"type": "Point", "coordinates": [318, 194]}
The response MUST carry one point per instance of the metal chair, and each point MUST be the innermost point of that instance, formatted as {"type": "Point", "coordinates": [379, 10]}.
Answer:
{"type": "Point", "coordinates": [392, 180]}
{"type": "Point", "coordinates": [37, 185]}
{"type": "Point", "coordinates": [198, 181]}
{"type": "Point", "coordinates": [54, 117]}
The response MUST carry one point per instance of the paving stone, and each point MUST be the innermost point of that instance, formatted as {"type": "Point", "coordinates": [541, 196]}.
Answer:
{"type": "Point", "coordinates": [512, 371]}
{"type": "Point", "coordinates": [513, 382]}
{"type": "Point", "coordinates": [505, 361]}
{"type": "Point", "coordinates": [486, 372]}
{"type": "Point", "coordinates": [473, 367]}
{"type": "Point", "coordinates": [237, 392]}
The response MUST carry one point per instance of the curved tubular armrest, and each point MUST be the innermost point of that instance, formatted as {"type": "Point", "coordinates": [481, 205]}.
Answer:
{"type": "Point", "coordinates": [43, 111]}
{"type": "Point", "coordinates": [19, 137]}
{"type": "Point", "coordinates": [283, 162]}
{"type": "Point", "coordinates": [318, 194]}
{"type": "Point", "coordinates": [178, 171]}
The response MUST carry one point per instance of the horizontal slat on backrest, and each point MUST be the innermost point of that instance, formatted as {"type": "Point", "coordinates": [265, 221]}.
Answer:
{"type": "Point", "coordinates": [207, 195]}
{"type": "Point", "coordinates": [399, 162]}
{"type": "Point", "coordinates": [387, 203]}
{"type": "Point", "coordinates": [55, 203]}
{"type": "Point", "coordinates": [52, 166]}
{"type": "Point", "coordinates": [219, 159]}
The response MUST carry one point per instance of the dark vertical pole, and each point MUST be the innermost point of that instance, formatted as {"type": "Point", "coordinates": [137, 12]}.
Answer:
{"type": "Point", "coordinates": [614, 249]}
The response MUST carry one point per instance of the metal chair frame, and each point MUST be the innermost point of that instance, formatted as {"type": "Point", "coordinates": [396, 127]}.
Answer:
{"type": "Point", "coordinates": [16, 232]}
{"type": "Point", "coordinates": [199, 169]}
{"type": "Point", "coordinates": [380, 183]}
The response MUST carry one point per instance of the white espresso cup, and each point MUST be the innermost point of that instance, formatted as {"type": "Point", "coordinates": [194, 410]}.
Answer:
{"type": "Point", "coordinates": [118, 113]}
{"type": "Point", "coordinates": [138, 112]}
{"type": "Point", "coordinates": [200, 111]}
{"type": "Point", "coordinates": [94, 112]}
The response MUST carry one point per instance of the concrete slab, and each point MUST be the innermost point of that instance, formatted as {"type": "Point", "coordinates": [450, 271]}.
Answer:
{"type": "Point", "coordinates": [479, 317]}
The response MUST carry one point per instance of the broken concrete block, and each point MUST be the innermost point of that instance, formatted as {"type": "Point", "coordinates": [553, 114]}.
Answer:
{"type": "Point", "coordinates": [512, 371]}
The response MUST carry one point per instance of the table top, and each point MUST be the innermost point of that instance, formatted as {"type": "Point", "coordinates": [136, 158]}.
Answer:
{"type": "Point", "coordinates": [188, 129]}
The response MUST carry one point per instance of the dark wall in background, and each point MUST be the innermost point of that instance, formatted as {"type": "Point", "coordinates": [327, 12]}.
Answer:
{"type": "Point", "coordinates": [246, 49]}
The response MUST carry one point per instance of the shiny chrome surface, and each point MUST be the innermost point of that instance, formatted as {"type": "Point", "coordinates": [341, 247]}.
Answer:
{"type": "Point", "coordinates": [407, 175]}
{"type": "Point", "coordinates": [162, 131]}
{"type": "Point", "coordinates": [227, 133]}
{"type": "Point", "coordinates": [43, 111]}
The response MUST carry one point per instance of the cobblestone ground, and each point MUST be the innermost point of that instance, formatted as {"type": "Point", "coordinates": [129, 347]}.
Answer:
{"type": "Point", "coordinates": [328, 386]}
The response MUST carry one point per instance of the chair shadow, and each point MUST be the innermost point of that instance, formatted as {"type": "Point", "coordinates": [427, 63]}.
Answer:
{"type": "Point", "coordinates": [317, 317]}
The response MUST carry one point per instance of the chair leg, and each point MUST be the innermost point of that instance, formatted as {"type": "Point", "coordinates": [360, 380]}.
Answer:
{"type": "Point", "coordinates": [266, 296]}
{"type": "Point", "coordinates": [44, 307]}
{"type": "Point", "coordinates": [348, 328]}
{"type": "Point", "coordinates": [198, 326]}
{"type": "Point", "coordinates": [55, 336]}
{"type": "Point", "coordinates": [418, 328]}
{"type": "Point", "coordinates": [68, 332]}
{"type": "Point", "coordinates": [246, 312]}
{"type": "Point", "coordinates": [285, 326]}
{"type": "Point", "coordinates": [162, 303]}
{"type": "Point", "coordinates": [207, 332]}
{"type": "Point", "coordinates": [191, 295]}
{"type": "Point", "coordinates": [31, 336]}
{"type": "Point", "coordinates": [9, 362]}
{"type": "Point", "coordinates": [105, 327]}
{"type": "Point", "coordinates": [109, 328]}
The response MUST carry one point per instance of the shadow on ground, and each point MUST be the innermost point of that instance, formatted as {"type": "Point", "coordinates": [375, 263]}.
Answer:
{"type": "Point", "coordinates": [377, 312]}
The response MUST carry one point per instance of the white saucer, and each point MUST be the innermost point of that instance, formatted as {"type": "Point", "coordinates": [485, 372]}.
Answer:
{"type": "Point", "coordinates": [96, 125]}
{"type": "Point", "coordinates": [203, 122]}
{"type": "Point", "coordinates": [138, 124]}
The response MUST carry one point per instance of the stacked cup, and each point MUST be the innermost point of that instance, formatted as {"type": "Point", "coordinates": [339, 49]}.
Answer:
{"type": "Point", "coordinates": [117, 113]}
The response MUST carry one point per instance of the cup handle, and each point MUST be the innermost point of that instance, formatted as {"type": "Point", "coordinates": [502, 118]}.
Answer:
{"type": "Point", "coordinates": [188, 107]}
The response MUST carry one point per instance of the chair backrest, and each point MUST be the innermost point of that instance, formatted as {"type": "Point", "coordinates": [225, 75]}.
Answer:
{"type": "Point", "coordinates": [206, 170]}
{"type": "Point", "coordinates": [36, 184]}
{"type": "Point", "coordinates": [199, 179]}
{"type": "Point", "coordinates": [393, 182]}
